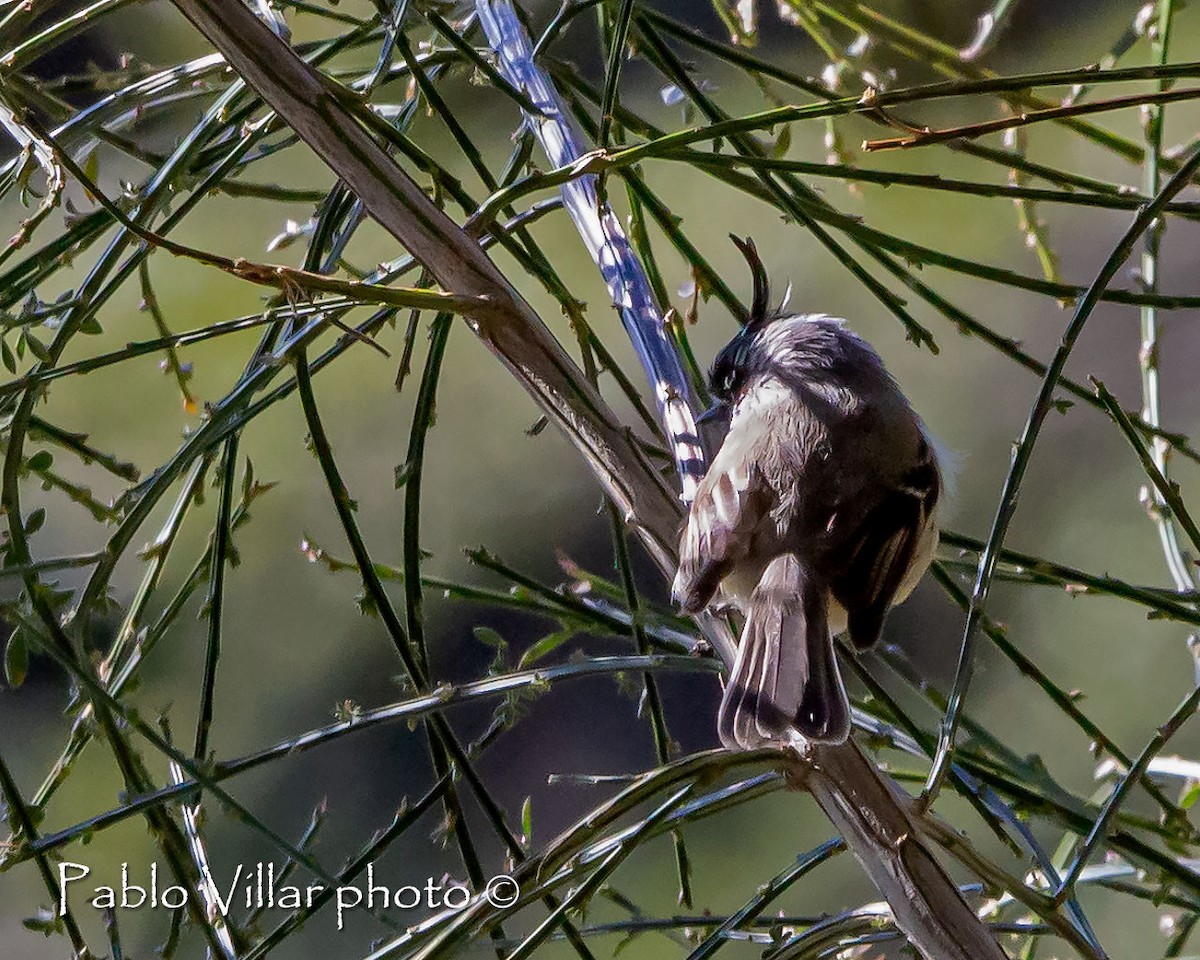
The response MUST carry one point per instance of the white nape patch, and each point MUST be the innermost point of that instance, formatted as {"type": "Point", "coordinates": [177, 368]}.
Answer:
{"type": "Point", "coordinates": [783, 337]}
{"type": "Point", "coordinates": [813, 318]}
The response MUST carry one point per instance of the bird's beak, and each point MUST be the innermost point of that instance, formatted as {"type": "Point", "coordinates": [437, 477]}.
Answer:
{"type": "Point", "coordinates": [717, 410]}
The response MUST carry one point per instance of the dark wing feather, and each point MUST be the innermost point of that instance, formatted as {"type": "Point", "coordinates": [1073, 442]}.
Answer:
{"type": "Point", "coordinates": [882, 556]}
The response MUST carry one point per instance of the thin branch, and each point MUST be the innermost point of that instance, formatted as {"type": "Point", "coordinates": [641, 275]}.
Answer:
{"type": "Point", "coordinates": [767, 893]}
{"type": "Point", "coordinates": [22, 821]}
{"type": "Point", "coordinates": [1024, 451]}
{"type": "Point", "coordinates": [220, 556]}
{"type": "Point", "coordinates": [581, 893]}
{"type": "Point", "coordinates": [612, 76]}
{"type": "Point", "coordinates": [1167, 490]}
{"type": "Point", "coordinates": [439, 699]}
{"type": "Point", "coordinates": [605, 240]}
{"type": "Point", "coordinates": [207, 886]}
{"type": "Point", "coordinates": [34, 149]}
{"type": "Point", "coordinates": [1182, 573]}
{"type": "Point", "coordinates": [926, 137]}
{"type": "Point", "coordinates": [1161, 736]}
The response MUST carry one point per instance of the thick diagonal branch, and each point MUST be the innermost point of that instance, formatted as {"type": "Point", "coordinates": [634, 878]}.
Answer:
{"type": "Point", "coordinates": [330, 124]}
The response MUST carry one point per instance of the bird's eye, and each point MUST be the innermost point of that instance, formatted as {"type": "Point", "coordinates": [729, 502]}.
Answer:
{"type": "Point", "coordinates": [726, 375]}
{"type": "Point", "coordinates": [720, 379]}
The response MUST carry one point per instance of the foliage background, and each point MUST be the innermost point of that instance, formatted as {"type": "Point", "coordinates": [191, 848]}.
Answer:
{"type": "Point", "coordinates": [296, 645]}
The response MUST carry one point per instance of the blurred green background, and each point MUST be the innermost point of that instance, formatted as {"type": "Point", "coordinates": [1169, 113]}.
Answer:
{"type": "Point", "coordinates": [296, 644]}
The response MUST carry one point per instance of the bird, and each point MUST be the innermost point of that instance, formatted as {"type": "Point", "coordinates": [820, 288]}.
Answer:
{"type": "Point", "coordinates": [817, 514]}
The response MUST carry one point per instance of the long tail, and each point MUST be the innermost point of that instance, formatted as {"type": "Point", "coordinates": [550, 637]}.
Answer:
{"type": "Point", "coordinates": [786, 677]}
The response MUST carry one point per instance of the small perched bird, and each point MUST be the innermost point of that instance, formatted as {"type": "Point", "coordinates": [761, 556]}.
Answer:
{"type": "Point", "coordinates": [818, 513]}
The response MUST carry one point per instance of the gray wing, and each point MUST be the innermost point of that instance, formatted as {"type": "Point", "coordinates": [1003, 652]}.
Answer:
{"type": "Point", "coordinates": [750, 495]}
{"type": "Point", "coordinates": [890, 550]}
{"type": "Point", "coordinates": [724, 517]}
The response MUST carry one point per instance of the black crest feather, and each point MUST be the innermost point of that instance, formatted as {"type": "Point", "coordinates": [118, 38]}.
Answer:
{"type": "Point", "coordinates": [762, 288]}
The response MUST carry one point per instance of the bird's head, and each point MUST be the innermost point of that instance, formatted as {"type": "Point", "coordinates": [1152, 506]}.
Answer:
{"type": "Point", "coordinates": [748, 353]}
{"type": "Point", "coordinates": [800, 350]}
